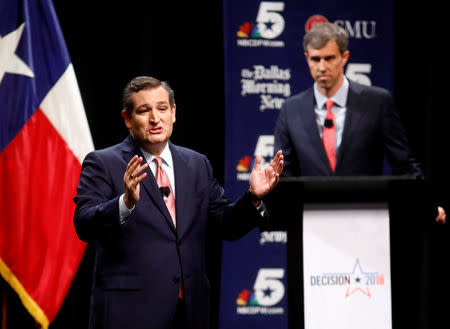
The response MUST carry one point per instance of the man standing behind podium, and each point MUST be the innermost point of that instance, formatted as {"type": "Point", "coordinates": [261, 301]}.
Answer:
{"type": "Point", "coordinates": [340, 127]}
{"type": "Point", "coordinates": [148, 219]}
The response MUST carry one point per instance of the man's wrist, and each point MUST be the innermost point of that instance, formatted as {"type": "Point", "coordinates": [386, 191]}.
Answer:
{"type": "Point", "coordinates": [252, 196]}
{"type": "Point", "coordinates": [124, 211]}
{"type": "Point", "coordinates": [128, 203]}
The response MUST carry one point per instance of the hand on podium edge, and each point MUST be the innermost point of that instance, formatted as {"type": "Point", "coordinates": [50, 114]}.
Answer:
{"type": "Point", "coordinates": [441, 216]}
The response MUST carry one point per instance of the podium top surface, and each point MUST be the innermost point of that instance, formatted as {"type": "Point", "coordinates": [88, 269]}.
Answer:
{"type": "Point", "coordinates": [348, 181]}
{"type": "Point", "coordinates": [353, 187]}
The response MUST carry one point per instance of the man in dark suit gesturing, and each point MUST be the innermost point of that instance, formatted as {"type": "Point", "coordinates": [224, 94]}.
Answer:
{"type": "Point", "coordinates": [340, 127]}
{"type": "Point", "coordinates": [145, 204]}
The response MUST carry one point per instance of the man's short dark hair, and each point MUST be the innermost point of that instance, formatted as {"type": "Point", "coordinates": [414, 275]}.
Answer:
{"type": "Point", "coordinates": [144, 82]}
{"type": "Point", "coordinates": [321, 33]}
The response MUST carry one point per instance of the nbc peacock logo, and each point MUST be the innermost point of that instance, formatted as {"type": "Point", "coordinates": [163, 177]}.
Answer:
{"type": "Point", "coordinates": [269, 25]}
{"type": "Point", "coordinates": [268, 291]}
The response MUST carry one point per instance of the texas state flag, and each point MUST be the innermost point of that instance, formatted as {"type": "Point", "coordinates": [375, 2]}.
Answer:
{"type": "Point", "coordinates": [44, 136]}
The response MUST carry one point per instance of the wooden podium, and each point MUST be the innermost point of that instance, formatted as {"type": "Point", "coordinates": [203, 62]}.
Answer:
{"type": "Point", "coordinates": [355, 250]}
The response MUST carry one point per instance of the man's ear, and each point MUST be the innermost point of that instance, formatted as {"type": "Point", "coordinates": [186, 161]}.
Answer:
{"type": "Point", "coordinates": [306, 55]}
{"type": "Point", "coordinates": [345, 57]}
{"type": "Point", "coordinates": [173, 113]}
{"type": "Point", "coordinates": [126, 117]}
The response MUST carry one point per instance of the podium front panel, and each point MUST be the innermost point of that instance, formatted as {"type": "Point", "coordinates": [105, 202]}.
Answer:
{"type": "Point", "coordinates": [346, 266]}
{"type": "Point", "coordinates": [387, 222]}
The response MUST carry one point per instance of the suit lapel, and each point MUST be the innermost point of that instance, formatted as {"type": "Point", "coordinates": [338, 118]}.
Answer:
{"type": "Point", "coordinates": [352, 117]}
{"type": "Point", "coordinates": [183, 186]}
{"type": "Point", "coordinates": [149, 183]}
{"type": "Point", "coordinates": [312, 131]}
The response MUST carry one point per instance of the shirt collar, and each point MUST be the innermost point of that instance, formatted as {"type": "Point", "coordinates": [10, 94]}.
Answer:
{"type": "Point", "coordinates": [166, 155]}
{"type": "Point", "coordinates": [340, 98]}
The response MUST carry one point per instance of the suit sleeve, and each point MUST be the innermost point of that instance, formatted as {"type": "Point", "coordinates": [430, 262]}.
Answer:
{"type": "Point", "coordinates": [234, 220]}
{"type": "Point", "coordinates": [396, 143]}
{"type": "Point", "coordinates": [283, 142]}
{"type": "Point", "coordinates": [97, 208]}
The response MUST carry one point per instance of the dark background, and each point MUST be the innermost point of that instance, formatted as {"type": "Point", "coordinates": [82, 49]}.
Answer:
{"type": "Point", "coordinates": [182, 43]}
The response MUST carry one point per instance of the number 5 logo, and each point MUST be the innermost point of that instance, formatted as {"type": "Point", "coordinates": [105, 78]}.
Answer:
{"type": "Point", "coordinates": [270, 22]}
{"type": "Point", "coordinates": [359, 73]}
{"type": "Point", "coordinates": [268, 288]}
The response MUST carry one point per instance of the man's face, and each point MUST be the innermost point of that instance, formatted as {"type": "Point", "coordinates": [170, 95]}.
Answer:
{"type": "Point", "coordinates": [327, 67]}
{"type": "Point", "coordinates": [152, 118]}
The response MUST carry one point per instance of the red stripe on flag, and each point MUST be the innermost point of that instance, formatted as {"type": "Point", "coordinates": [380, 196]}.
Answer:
{"type": "Point", "coordinates": [38, 243]}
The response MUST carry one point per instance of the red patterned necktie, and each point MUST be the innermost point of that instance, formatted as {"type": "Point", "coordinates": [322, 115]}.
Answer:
{"type": "Point", "coordinates": [163, 181]}
{"type": "Point", "coordinates": [329, 135]}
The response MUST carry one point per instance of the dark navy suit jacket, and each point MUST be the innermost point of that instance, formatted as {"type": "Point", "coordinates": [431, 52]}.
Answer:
{"type": "Point", "coordinates": [372, 130]}
{"type": "Point", "coordinates": [139, 264]}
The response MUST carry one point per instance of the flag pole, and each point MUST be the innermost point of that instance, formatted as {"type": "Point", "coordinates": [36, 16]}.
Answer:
{"type": "Point", "coordinates": [3, 303]}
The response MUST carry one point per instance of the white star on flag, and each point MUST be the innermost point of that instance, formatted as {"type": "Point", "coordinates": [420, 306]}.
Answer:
{"type": "Point", "coordinates": [9, 61]}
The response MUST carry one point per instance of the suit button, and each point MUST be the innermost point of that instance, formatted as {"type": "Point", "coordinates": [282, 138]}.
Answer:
{"type": "Point", "coordinates": [176, 279]}
{"type": "Point", "coordinates": [178, 242]}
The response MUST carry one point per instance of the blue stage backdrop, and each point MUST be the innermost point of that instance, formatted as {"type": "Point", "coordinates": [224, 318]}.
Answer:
{"type": "Point", "coordinates": [264, 64]}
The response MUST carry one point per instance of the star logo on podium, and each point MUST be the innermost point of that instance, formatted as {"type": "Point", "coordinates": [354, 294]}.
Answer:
{"type": "Point", "coordinates": [357, 279]}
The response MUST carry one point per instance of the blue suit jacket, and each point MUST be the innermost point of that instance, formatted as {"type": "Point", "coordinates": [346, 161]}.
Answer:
{"type": "Point", "coordinates": [372, 130]}
{"type": "Point", "coordinates": [139, 264]}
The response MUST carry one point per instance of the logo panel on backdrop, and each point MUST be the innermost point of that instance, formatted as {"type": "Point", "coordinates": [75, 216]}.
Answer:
{"type": "Point", "coordinates": [264, 65]}
{"type": "Point", "coordinates": [269, 25]}
{"type": "Point", "coordinates": [268, 290]}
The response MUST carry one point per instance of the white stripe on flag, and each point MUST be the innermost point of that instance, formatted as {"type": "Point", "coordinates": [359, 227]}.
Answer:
{"type": "Point", "coordinates": [64, 108]}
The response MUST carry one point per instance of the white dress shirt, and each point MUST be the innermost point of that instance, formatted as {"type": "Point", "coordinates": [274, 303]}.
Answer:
{"type": "Point", "coordinates": [339, 110]}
